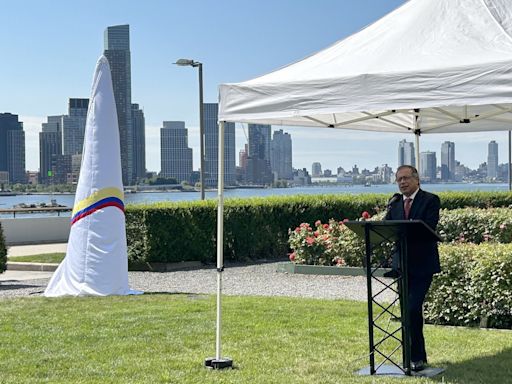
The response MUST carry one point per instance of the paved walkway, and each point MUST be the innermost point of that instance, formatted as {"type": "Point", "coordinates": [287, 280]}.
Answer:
{"type": "Point", "coordinates": [238, 279]}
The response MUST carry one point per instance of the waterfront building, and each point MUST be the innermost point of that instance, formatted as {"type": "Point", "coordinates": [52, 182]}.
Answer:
{"type": "Point", "coordinates": [258, 160]}
{"type": "Point", "coordinates": [12, 148]}
{"type": "Point", "coordinates": [175, 155]}
{"type": "Point", "coordinates": [406, 154]}
{"type": "Point", "coordinates": [73, 126]}
{"type": "Point", "coordinates": [50, 144]}
{"type": "Point", "coordinates": [139, 142]}
{"type": "Point", "coordinates": [492, 160]}
{"type": "Point", "coordinates": [448, 161]}
{"type": "Point", "coordinates": [211, 147]}
{"type": "Point", "coordinates": [117, 52]}
{"type": "Point", "coordinates": [428, 166]}
{"type": "Point", "coordinates": [316, 169]}
{"type": "Point", "coordinates": [281, 155]}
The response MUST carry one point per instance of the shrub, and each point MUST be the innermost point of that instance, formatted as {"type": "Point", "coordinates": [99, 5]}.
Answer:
{"type": "Point", "coordinates": [256, 228]}
{"type": "Point", "coordinates": [474, 287]}
{"type": "Point", "coordinates": [334, 243]}
{"type": "Point", "coordinates": [473, 225]}
{"type": "Point", "coordinates": [3, 251]}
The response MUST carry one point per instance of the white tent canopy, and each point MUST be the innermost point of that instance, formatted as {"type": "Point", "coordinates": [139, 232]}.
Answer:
{"type": "Point", "coordinates": [431, 65]}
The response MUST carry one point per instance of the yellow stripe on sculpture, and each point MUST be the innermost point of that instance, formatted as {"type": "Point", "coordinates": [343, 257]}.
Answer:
{"type": "Point", "coordinates": [97, 196]}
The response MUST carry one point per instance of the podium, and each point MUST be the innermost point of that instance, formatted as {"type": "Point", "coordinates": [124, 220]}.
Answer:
{"type": "Point", "coordinates": [378, 237]}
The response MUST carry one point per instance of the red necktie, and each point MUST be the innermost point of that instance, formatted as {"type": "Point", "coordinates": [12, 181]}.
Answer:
{"type": "Point", "coordinates": [407, 207]}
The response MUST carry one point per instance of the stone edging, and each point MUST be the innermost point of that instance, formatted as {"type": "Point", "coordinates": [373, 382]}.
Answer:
{"type": "Point", "coordinates": [303, 269]}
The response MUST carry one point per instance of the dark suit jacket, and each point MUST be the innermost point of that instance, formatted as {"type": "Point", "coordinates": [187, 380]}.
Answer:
{"type": "Point", "coordinates": [423, 256]}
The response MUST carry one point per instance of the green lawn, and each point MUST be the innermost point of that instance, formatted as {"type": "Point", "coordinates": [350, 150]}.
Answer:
{"type": "Point", "coordinates": [40, 258]}
{"type": "Point", "coordinates": [164, 338]}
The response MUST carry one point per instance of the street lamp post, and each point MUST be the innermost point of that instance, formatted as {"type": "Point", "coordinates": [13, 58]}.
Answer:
{"type": "Point", "coordinates": [192, 63]}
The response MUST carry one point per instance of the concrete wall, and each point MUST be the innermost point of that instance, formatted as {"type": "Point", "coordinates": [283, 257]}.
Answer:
{"type": "Point", "coordinates": [38, 230]}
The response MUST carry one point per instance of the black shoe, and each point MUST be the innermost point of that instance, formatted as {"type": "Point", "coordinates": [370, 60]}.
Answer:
{"type": "Point", "coordinates": [392, 273]}
{"type": "Point", "coordinates": [417, 365]}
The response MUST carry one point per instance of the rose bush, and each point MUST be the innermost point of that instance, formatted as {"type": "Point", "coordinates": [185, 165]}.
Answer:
{"type": "Point", "coordinates": [332, 243]}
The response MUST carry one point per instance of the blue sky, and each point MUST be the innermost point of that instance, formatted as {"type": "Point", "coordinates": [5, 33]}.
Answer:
{"type": "Point", "coordinates": [49, 50]}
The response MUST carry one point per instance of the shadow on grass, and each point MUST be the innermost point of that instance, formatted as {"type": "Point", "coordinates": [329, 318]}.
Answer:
{"type": "Point", "coordinates": [485, 369]}
{"type": "Point", "coordinates": [10, 287]}
{"type": "Point", "coordinates": [191, 296]}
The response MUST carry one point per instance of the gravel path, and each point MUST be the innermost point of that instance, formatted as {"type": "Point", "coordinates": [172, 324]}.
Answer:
{"type": "Point", "coordinates": [252, 280]}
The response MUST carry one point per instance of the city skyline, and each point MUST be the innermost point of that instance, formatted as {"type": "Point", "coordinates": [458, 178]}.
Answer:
{"type": "Point", "coordinates": [38, 82]}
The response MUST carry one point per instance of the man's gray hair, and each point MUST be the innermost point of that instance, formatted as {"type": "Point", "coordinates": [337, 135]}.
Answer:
{"type": "Point", "coordinates": [414, 171]}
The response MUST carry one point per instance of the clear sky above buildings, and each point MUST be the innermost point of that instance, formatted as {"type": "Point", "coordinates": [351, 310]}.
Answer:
{"type": "Point", "coordinates": [49, 50]}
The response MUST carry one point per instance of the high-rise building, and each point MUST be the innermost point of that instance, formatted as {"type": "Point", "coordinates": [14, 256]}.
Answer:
{"type": "Point", "coordinates": [117, 52]}
{"type": "Point", "coordinates": [316, 169]}
{"type": "Point", "coordinates": [73, 126]}
{"type": "Point", "coordinates": [448, 161]}
{"type": "Point", "coordinates": [281, 155]}
{"type": "Point", "coordinates": [428, 166]}
{"type": "Point", "coordinates": [211, 147]}
{"type": "Point", "coordinates": [492, 160]}
{"type": "Point", "coordinates": [176, 156]}
{"type": "Point", "coordinates": [12, 148]}
{"type": "Point", "coordinates": [406, 155]}
{"type": "Point", "coordinates": [50, 146]}
{"type": "Point", "coordinates": [139, 142]}
{"type": "Point", "coordinates": [258, 160]}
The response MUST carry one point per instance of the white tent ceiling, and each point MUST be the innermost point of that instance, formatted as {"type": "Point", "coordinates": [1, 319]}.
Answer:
{"type": "Point", "coordinates": [430, 66]}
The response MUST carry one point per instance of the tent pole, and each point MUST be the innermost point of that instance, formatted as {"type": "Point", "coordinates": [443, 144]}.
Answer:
{"type": "Point", "coordinates": [509, 160]}
{"type": "Point", "coordinates": [218, 362]}
{"type": "Point", "coordinates": [417, 137]}
{"type": "Point", "coordinates": [417, 133]}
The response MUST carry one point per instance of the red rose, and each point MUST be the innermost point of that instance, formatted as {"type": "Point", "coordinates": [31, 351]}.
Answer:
{"type": "Point", "coordinates": [326, 226]}
{"type": "Point", "coordinates": [365, 215]}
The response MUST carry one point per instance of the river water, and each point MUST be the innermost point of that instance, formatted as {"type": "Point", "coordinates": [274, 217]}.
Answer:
{"type": "Point", "coordinates": [151, 197]}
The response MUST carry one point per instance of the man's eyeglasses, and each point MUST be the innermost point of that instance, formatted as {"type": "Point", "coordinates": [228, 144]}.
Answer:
{"type": "Point", "coordinates": [403, 178]}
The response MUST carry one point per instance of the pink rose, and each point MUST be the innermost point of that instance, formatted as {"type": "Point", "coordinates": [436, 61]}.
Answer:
{"type": "Point", "coordinates": [292, 256]}
{"type": "Point", "coordinates": [326, 226]}
{"type": "Point", "coordinates": [310, 240]}
{"type": "Point", "coordinates": [365, 215]}
{"type": "Point", "coordinates": [297, 230]}
{"type": "Point", "coordinates": [317, 223]}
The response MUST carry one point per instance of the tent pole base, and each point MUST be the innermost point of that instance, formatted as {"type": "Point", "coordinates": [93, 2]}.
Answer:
{"type": "Point", "coordinates": [213, 363]}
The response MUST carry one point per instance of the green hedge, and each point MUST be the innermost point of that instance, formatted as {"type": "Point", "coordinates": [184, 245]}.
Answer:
{"type": "Point", "coordinates": [474, 287]}
{"type": "Point", "coordinates": [257, 227]}
{"type": "Point", "coordinates": [3, 251]}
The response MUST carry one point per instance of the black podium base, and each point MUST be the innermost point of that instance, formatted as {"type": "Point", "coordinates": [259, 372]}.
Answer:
{"type": "Point", "coordinates": [213, 363]}
{"type": "Point", "coordinates": [391, 370]}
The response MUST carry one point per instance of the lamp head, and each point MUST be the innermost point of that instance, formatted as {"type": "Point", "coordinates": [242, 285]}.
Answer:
{"type": "Point", "coordinates": [187, 62]}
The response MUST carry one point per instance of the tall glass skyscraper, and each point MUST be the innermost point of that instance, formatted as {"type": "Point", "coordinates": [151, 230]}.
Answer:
{"type": "Point", "coordinates": [492, 160]}
{"type": "Point", "coordinates": [50, 148]}
{"type": "Point", "coordinates": [406, 154]}
{"type": "Point", "coordinates": [12, 148]}
{"type": "Point", "coordinates": [258, 159]}
{"type": "Point", "coordinates": [448, 161]}
{"type": "Point", "coordinates": [175, 155]}
{"type": "Point", "coordinates": [73, 127]}
{"type": "Point", "coordinates": [428, 166]}
{"type": "Point", "coordinates": [211, 147]}
{"type": "Point", "coordinates": [139, 141]}
{"type": "Point", "coordinates": [117, 52]}
{"type": "Point", "coordinates": [281, 155]}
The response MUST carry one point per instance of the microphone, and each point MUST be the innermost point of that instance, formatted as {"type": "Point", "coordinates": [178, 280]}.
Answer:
{"type": "Point", "coordinates": [397, 196]}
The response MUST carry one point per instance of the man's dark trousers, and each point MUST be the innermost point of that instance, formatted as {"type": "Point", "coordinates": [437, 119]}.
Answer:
{"type": "Point", "coordinates": [418, 288]}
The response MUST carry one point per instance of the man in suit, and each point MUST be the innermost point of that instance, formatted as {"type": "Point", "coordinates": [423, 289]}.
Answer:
{"type": "Point", "coordinates": [423, 260]}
